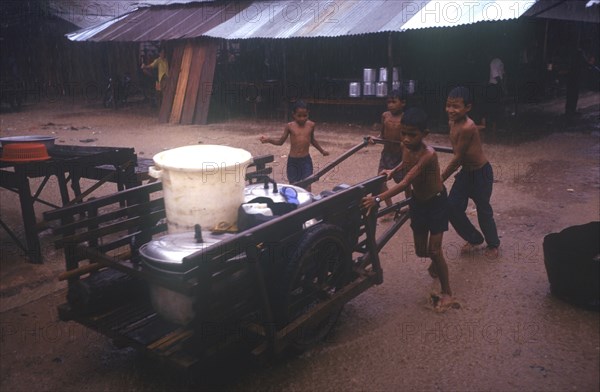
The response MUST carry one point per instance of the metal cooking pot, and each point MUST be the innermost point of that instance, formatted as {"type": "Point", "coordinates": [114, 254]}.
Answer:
{"type": "Point", "coordinates": [164, 257]}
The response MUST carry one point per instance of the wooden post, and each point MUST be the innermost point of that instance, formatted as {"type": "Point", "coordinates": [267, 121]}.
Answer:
{"type": "Point", "coordinates": [286, 101]}
{"type": "Point", "coordinates": [169, 93]}
{"type": "Point", "coordinates": [390, 67]}
{"type": "Point", "coordinates": [189, 106]}
{"type": "Point", "coordinates": [182, 82]}
{"type": "Point", "coordinates": [206, 81]}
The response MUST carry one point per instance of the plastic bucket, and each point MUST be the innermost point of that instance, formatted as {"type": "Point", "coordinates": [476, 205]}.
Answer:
{"type": "Point", "coordinates": [202, 184]}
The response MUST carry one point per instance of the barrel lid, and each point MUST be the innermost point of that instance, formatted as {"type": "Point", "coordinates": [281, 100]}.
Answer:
{"type": "Point", "coordinates": [205, 157]}
{"type": "Point", "coordinates": [172, 248]}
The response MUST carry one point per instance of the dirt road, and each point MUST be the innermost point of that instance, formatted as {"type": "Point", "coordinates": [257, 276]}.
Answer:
{"type": "Point", "coordinates": [509, 335]}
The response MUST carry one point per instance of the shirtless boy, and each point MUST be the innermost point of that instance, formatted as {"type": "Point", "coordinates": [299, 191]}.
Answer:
{"type": "Point", "coordinates": [391, 155]}
{"type": "Point", "coordinates": [302, 134]}
{"type": "Point", "coordinates": [475, 178]}
{"type": "Point", "coordinates": [428, 205]}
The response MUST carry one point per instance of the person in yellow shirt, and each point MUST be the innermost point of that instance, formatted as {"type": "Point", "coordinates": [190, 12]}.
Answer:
{"type": "Point", "coordinates": [162, 64]}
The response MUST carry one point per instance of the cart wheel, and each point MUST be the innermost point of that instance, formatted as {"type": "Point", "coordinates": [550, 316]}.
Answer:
{"type": "Point", "coordinates": [318, 267]}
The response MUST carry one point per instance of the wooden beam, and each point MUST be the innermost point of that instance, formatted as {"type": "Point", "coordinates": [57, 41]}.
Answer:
{"type": "Point", "coordinates": [206, 83]}
{"type": "Point", "coordinates": [182, 81]}
{"type": "Point", "coordinates": [169, 93]}
{"type": "Point", "coordinates": [189, 106]}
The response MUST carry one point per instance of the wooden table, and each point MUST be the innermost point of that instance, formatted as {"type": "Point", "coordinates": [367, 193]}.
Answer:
{"type": "Point", "coordinates": [67, 164]}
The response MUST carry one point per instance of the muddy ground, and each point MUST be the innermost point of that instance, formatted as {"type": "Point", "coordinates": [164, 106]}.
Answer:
{"type": "Point", "coordinates": [510, 334]}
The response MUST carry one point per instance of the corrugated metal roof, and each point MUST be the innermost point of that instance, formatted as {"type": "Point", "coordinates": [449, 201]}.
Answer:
{"type": "Point", "coordinates": [456, 13]}
{"type": "Point", "coordinates": [235, 20]}
{"type": "Point", "coordinates": [162, 23]}
{"type": "Point", "coordinates": [576, 10]}
{"type": "Point", "coordinates": [265, 19]}
{"type": "Point", "coordinates": [90, 14]}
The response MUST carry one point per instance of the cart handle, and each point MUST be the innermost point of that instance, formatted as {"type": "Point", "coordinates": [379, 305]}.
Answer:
{"type": "Point", "coordinates": [366, 140]}
{"type": "Point", "coordinates": [315, 177]}
{"type": "Point", "coordinates": [377, 140]}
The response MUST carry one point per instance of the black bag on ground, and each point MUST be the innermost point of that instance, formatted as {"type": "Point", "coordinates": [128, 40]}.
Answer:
{"type": "Point", "coordinates": [572, 263]}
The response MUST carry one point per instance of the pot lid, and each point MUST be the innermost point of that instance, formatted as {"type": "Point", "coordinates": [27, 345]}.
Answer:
{"type": "Point", "coordinates": [172, 248]}
{"type": "Point", "coordinates": [258, 190]}
{"type": "Point", "coordinates": [205, 158]}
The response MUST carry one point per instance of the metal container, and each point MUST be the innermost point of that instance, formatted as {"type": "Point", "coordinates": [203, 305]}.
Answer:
{"type": "Point", "coordinates": [354, 89]}
{"type": "Point", "coordinates": [395, 85]}
{"type": "Point", "coordinates": [410, 86]}
{"type": "Point", "coordinates": [163, 257]}
{"type": "Point", "coordinates": [383, 74]}
{"type": "Point", "coordinates": [381, 89]}
{"type": "Point", "coordinates": [202, 184]}
{"type": "Point", "coordinates": [258, 190]}
{"type": "Point", "coordinates": [47, 141]}
{"type": "Point", "coordinates": [368, 89]}
{"type": "Point", "coordinates": [369, 75]}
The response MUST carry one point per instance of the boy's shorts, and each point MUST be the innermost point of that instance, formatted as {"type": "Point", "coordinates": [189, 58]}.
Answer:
{"type": "Point", "coordinates": [388, 161]}
{"type": "Point", "coordinates": [430, 215]}
{"type": "Point", "coordinates": [299, 168]}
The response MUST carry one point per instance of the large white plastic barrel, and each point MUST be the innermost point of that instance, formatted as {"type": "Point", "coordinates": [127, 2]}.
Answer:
{"type": "Point", "coordinates": [202, 184]}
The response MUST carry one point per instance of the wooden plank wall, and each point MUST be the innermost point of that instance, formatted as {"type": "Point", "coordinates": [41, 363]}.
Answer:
{"type": "Point", "coordinates": [206, 82]}
{"type": "Point", "coordinates": [167, 96]}
{"type": "Point", "coordinates": [186, 99]}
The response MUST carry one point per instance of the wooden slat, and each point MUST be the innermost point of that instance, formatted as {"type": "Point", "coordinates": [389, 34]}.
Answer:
{"type": "Point", "coordinates": [191, 97]}
{"type": "Point", "coordinates": [169, 93]}
{"type": "Point", "coordinates": [206, 81]}
{"type": "Point", "coordinates": [147, 220]}
{"type": "Point", "coordinates": [182, 81]}
{"type": "Point", "coordinates": [138, 209]}
{"type": "Point", "coordinates": [131, 193]}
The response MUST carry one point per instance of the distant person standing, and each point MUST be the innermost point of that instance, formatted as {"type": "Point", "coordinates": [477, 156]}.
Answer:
{"type": "Point", "coordinates": [391, 120]}
{"type": "Point", "coordinates": [579, 62]}
{"type": "Point", "coordinates": [301, 132]}
{"type": "Point", "coordinates": [494, 94]}
{"type": "Point", "coordinates": [162, 64]}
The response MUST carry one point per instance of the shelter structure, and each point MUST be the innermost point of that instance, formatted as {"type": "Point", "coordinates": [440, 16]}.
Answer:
{"type": "Point", "coordinates": [243, 55]}
{"type": "Point", "coordinates": [278, 44]}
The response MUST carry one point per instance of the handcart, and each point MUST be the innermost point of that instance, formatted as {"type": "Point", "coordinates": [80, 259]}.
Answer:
{"type": "Point", "coordinates": [275, 286]}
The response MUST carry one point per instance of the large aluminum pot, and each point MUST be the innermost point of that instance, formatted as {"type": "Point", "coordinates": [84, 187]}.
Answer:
{"type": "Point", "coordinates": [163, 257]}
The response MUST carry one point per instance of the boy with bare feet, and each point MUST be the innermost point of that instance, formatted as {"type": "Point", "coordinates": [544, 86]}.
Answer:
{"type": "Point", "coordinates": [302, 134]}
{"type": "Point", "coordinates": [391, 154]}
{"type": "Point", "coordinates": [428, 205]}
{"type": "Point", "coordinates": [474, 180]}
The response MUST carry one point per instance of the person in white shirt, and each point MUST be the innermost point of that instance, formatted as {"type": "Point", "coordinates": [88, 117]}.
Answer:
{"type": "Point", "coordinates": [494, 93]}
